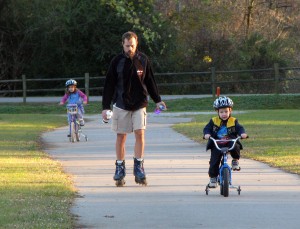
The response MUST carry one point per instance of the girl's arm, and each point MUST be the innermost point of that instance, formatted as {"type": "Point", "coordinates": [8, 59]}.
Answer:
{"type": "Point", "coordinates": [64, 99]}
{"type": "Point", "coordinates": [83, 96]}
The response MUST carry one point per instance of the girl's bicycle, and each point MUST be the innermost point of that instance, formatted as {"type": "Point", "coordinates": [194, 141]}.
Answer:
{"type": "Point", "coordinates": [225, 174]}
{"type": "Point", "coordinates": [75, 131]}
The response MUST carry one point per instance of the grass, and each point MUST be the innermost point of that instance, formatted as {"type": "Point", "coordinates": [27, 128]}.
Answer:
{"type": "Point", "coordinates": [34, 191]}
{"type": "Point", "coordinates": [259, 102]}
{"type": "Point", "coordinates": [274, 137]}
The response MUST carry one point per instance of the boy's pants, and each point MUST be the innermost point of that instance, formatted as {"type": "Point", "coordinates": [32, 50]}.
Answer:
{"type": "Point", "coordinates": [215, 159]}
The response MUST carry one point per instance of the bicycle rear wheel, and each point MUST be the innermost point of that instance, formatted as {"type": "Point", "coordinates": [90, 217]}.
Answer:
{"type": "Point", "coordinates": [225, 182]}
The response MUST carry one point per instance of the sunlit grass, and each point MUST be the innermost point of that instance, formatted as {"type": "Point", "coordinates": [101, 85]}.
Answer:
{"type": "Point", "coordinates": [34, 191]}
{"type": "Point", "coordinates": [274, 136]}
{"type": "Point", "coordinates": [252, 102]}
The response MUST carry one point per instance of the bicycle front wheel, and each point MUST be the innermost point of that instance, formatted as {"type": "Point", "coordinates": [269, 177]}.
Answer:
{"type": "Point", "coordinates": [73, 132]}
{"type": "Point", "coordinates": [78, 132]}
{"type": "Point", "coordinates": [225, 182]}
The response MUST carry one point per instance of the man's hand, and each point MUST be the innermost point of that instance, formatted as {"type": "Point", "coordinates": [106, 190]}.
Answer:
{"type": "Point", "coordinates": [162, 103]}
{"type": "Point", "coordinates": [104, 116]}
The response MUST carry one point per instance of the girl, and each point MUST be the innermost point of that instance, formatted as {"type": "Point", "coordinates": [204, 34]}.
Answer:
{"type": "Point", "coordinates": [75, 96]}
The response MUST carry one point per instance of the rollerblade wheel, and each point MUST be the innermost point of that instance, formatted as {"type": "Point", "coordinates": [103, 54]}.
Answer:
{"type": "Point", "coordinates": [207, 189]}
{"type": "Point", "coordinates": [120, 183]}
{"type": "Point", "coordinates": [141, 181]}
{"type": "Point", "coordinates": [239, 190]}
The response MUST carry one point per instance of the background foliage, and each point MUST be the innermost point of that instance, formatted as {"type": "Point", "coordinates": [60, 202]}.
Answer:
{"type": "Point", "coordinates": [60, 38]}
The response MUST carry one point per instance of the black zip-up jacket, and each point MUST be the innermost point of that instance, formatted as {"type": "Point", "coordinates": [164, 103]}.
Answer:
{"type": "Point", "coordinates": [128, 83]}
{"type": "Point", "coordinates": [233, 129]}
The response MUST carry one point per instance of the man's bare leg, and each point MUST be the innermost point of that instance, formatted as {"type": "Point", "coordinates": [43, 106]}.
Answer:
{"type": "Point", "coordinates": [139, 143]}
{"type": "Point", "coordinates": [120, 147]}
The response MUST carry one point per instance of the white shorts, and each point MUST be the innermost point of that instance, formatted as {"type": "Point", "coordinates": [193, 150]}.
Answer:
{"type": "Point", "coordinates": [124, 121]}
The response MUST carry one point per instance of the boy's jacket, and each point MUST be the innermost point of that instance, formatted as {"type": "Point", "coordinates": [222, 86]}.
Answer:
{"type": "Point", "coordinates": [233, 128]}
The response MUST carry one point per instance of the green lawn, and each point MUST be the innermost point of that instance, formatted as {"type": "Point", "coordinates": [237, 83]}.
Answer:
{"type": "Point", "coordinates": [34, 191]}
{"type": "Point", "coordinates": [274, 136]}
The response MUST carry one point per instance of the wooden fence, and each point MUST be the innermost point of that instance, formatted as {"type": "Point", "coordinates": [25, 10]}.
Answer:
{"type": "Point", "coordinates": [272, 80]}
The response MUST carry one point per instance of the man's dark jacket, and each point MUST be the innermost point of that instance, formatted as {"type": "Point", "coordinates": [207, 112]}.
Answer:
{"type": "Point", "coordinates": [128, 83]}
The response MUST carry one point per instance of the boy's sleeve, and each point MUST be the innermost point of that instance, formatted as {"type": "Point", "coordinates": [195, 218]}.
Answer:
{"type": "Point", "coordinates": [239, 128]}
{"type": "Point", "coordinates": [208, 128]}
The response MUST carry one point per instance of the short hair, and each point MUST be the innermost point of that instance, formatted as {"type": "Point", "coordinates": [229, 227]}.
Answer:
{"type": "Point", "coordinates": [128, 35]}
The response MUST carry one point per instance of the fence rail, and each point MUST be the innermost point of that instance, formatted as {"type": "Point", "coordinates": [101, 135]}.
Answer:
{"type": "Point", "coordinates": [278, 77]}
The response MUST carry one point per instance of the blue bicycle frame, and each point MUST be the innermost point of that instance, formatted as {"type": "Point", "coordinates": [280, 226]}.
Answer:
{"type": "Point", "coordinates": [225, 182]}
{"type": "Point", "coordinates": [224, 165]}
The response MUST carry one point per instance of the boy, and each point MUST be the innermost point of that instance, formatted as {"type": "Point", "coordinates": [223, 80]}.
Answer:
{"type": "Point", "coordinates": [222, 127]}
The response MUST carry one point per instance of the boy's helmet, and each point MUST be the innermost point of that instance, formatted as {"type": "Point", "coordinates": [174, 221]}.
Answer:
{"type": "Point", "coordinates": [223, 102]}
{"type": "Point", "coordinates": [71, 82]}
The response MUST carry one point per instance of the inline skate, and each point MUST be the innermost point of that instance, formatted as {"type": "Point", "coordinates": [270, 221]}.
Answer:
{"type": "Point", "coordinates": [139, 173]}
{"type": "Point", "coordinates": [120, 174]}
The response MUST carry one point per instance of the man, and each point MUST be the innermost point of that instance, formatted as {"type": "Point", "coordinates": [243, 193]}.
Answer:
{"type": "Point", "coordinates": [128, 82]}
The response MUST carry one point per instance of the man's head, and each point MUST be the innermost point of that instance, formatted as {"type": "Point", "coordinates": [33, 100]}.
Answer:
{"type": "Point", "coordinates": [129, 42]}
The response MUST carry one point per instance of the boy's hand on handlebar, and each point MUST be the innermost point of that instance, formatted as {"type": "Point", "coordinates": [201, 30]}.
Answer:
{"type": "Point", "coordinates": [244, 135]}
{"type": "Point", "coordinates": [207, 136]}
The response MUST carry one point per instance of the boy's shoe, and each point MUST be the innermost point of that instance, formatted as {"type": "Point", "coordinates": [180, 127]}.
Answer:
{"type": "Point", "coordinates": [213, 182]}
{"type": "Point", "coordinates": [81, 122]}
{"type": "Point", "coordinates": [235, 165]}
{"type": "Point", "coordinates": [69, 135]}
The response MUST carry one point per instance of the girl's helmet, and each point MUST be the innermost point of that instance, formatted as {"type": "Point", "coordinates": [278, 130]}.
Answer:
{"type": "Point", "coordinates": [223, 102]}
{"type": "Point", "coordinates": [71, 82]}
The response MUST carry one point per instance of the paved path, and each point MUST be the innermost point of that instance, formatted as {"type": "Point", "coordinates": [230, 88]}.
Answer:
{"type": "Point", "coordinates": [176, 169]}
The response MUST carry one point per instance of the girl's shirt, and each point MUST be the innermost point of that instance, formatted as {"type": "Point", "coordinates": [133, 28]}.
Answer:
{"type": "Point", "coordinates": [76, 97]}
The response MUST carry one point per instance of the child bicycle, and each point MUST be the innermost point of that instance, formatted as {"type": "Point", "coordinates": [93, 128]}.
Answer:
{"type": "Point", "coordinates": [75, 131]}
{"type": "Point", "coordinates": [225, 175]}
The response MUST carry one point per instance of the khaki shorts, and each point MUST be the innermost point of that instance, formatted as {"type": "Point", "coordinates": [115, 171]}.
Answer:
{"type": "Point", "coordinates": [124, 121]}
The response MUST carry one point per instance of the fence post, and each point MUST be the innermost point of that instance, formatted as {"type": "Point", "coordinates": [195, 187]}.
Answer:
{"type": "Point", "coordinates": [276, 75]}
{"type": "Point", "coordinates": [213, 81]}
{"type": "Point", "coordinates": [24, 88]}
{"type": "Point", "coordinates": [87, 84]}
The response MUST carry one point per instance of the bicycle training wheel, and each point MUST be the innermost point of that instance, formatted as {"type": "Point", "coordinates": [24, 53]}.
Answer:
{"type": "Point", "coordinates": [78, 135]}
{"type": "Point", "coordinates": [225, 182]}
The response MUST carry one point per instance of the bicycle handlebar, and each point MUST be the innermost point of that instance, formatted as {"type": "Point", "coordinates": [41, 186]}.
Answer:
{"type": "Point", "coordinates": [225, 140]}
